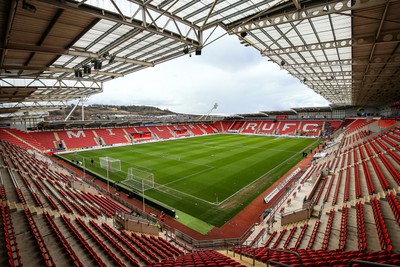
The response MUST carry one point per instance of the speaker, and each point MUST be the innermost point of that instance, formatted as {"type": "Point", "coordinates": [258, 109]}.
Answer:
{"type": "Point", "coordinates": [87, 70]}
{"type": "Point", "coordinates": [198, 52]}
{"type": "Point", "coordinates": [78, 73]}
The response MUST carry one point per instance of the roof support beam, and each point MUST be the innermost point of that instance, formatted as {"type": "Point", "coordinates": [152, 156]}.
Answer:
{"type": "Point", "coordinates": [53, 69]}
{"type": "Point", "coordinates": [11, 15]}
{"type": "Point", "coordinates": [150, 26]}
{"type": "Point", "coordinates": [49, 83]}
{"type": "Point", "coordinates": [301, 14]}
{"type": "Point", "coordinates": [378, 60]}
{"type": "Point", "coordinates": [297, 4]}
{"type": "Point", "coordinates": [209, 13]}
{"type": "Point", "coordinates": [351, 42]}
{"type": "Point", "coordinates": [378, 32]}
{"type": "Point", "coordinates": [45, 33]}
{"type": "Point", "coordinates": [57, 51]}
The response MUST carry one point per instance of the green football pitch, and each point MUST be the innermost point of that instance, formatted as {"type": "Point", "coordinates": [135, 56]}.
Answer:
{"type": "Point", "coordinates": [206, 179]}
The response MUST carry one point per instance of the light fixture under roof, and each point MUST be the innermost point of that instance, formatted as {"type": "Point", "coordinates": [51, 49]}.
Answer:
{"type": "Point", "coordinates": [28, 7]}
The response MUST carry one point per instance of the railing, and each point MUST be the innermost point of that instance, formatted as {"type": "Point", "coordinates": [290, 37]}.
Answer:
{"type": "Point", "coordinates": [195, 244]}
{"type": "Point", "coordinates": [283, 197]}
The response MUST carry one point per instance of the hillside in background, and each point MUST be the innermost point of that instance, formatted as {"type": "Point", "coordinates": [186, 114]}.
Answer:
{"type": "Point", "coordinates": [97, 112]}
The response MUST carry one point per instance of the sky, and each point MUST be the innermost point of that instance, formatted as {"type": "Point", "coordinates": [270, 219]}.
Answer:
{"type": "Point", "coordinates": [236, 77]}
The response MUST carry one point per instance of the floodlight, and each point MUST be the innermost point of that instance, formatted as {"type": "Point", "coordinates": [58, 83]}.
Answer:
{"type": "Point", "coordinates": [112, 59]}
{"type": "Point", "coordinates": [97, 64]}
{"type": "Point", "coordinates": [28, 7]}
{"type": "Point", "coordinates": [87, 69]}
{"type": "Point", "coordinates": [243, 34]}
{"type": "Point", "coordinates": [106, 54]}
{"type": "Point", "coordinates": [78, 73]}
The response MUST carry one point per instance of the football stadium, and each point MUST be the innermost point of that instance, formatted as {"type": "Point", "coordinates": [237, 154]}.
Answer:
{"type": "Point", "coordinates": [305, 186]}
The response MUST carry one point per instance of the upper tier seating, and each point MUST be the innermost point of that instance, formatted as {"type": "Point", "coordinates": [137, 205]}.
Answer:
{"type": "Point", "coordinates": [236, 126]}
{"type": "Point", "coordinates": [78, 138]}
{"type": "Point", "coordinates": [268, 127]}
{"type": "Point", "coordinates": [290, 127]}
{"type": "Point", "coordinates": [162, 132]}
{"type": "Point", "coordinates": [103, 245]}
{"type": "Point", "coordinates": [358, 218]}
{"type": "Point", "coordinates": [362, 170]}
{"type": "Point", "coordinates": [112, 136]}
{"type": "Point", "coordinates": [46, 139]}
{"type": "Point", "coordinates": [251, 127]}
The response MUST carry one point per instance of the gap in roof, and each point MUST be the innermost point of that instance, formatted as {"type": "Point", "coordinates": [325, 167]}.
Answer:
{"type": "Point", "coordinates": [234, 76]}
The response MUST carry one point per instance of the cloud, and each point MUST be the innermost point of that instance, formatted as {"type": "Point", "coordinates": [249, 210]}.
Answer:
{"type": "Point", "coordinates": [227, 73]}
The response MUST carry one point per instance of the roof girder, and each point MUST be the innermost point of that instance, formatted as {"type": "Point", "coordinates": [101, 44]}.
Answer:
{"type": "Point", "coordinates": [387, 37]}
{"type": "Point", "coordinates": [299, 15]}
{"type": "Point", "coordinates": [150, 26]}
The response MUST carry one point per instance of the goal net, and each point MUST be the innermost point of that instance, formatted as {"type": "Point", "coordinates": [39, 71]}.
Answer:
{"type": "Point", "coordinates": [113, 165]}
{"type": "Point", "coordinates": [139, 179]}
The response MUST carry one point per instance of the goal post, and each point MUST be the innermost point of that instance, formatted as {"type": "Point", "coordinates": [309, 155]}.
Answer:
{"type": "Point", "coordinates": [110, 164]}
{"type": "Point", "coordinates": [139, 179]}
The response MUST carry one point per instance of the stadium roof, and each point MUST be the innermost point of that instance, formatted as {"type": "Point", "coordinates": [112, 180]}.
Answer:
{"type": "Point", "coordinates": [280, 112]}
{"type": "Point", "coordinates": [347, 51]}
{"type": "Point", "coordinates": [252, 115]}
{"type": "Point", "coordinates": [312, 109]}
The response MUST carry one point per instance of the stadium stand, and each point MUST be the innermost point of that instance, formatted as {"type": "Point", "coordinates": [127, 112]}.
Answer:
{"type": "Point", "coordinates": [362, 168]}
{"type": "Point", "coordinates": [236, 126]}
{"type": "Point", "coordinates": [6, 134]}
{"type": "Point", "coordinates": [268, 127]}
{"type": "Point", "coordinates": [222, 126]}
{"type": "Point", "coordinates": [47, 140]}
{"type": "Point", "coordinates": [112, 136]}
{"type": "Point", "coordinates": [311, 128]}
{"type": "Point", "coordinates": [374, 182]}
{"type": "Point", "coordinates": [346, 203]}
{"type": "Point", "coordinates": [195, 129]}
{"type": "Point", "coordinates": [289, 127]}
{"type": "Point", "coordinates": [207, 128]}
{"type": "Point", "coordinates": [161, 132]}
{"type": "Point", "coordinates": [72, 139]}
{"type": "Point", "coordinates": [78, 138]}
{"type": "Point", "coordinates": [251, 127]}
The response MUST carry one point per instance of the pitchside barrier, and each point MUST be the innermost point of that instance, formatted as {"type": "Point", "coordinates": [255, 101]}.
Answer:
{"type": "Point", "coordinates": [281, 185]}
{"type": "Point", "coordinates": [151, 203]}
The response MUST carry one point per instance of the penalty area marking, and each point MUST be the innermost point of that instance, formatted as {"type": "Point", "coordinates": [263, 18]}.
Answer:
{"type": "Point", "coordinates": [180, 192]}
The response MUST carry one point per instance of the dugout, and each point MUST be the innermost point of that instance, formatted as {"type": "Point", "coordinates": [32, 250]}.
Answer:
{"type": "Point", "coordinates": [181, 131]}
{"type": "Point", "coordinates": [141, 135]}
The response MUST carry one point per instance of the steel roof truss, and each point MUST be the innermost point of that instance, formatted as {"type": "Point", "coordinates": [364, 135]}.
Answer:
{"type": "Point", "coordinates": [302, 14]}
{"type": "Point", "coordinates": [150, 26]}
